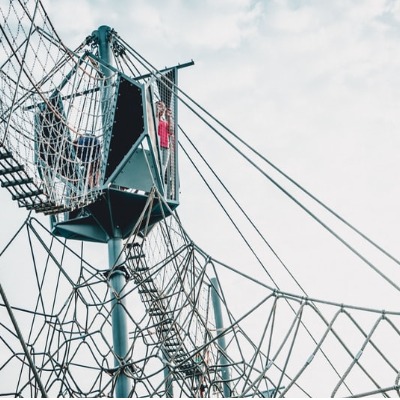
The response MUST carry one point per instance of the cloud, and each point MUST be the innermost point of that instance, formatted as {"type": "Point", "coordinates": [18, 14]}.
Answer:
{"type": "Point", "coordinates": [207, 25]}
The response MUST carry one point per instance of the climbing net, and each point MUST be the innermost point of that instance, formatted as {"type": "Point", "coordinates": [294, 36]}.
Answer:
{"type": "Point", "coordinates": [49, 96]}
{"type": "Point", "coordinates": [57, 110]}
{"type": "Point", "coordinates": [58, 339]}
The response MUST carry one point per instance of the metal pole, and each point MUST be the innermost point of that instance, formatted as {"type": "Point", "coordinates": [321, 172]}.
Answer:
{"type": "Point", "coordinates": [115, 246]}
{"type": "Point", "coordinates": [118, 314]}
{"type": "Point", "coordinates": [103, 35]}
{"type": "Point", "coordinates": [219, 324]}
{"type": "Point", "coordinates": [23, 344]}
{"type": "Point", "coordinates": [169, 390]}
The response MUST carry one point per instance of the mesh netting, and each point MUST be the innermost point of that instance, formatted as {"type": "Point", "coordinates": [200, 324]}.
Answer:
{"type": "Point", "coordinates": [49, 97]}
{"type": "Point", "coordinates": [57, 110]}
{"type": "Point", "coordinates": [274, 343]}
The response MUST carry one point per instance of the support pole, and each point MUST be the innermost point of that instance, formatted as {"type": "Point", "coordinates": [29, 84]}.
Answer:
{"type": "Point", "coordinates": [116, 259]}
{"type": "Point", "coordinates": [169, 390]}
{"type": "Point", "coordinates": [102, 35]}
{"type": "Point", "coordinates": [23, 344]}
{"type": "Point", "coordinates": [219, 324]}
{"type": "Point", "coordinates": [118, 314]}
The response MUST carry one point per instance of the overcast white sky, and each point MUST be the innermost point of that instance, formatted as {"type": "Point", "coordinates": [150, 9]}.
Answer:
{"type": "Point", "coordinates": [313, 85]}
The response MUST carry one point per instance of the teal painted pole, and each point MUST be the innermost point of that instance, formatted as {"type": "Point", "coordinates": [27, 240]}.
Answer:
{"type": "Point", "coordinates": [102, 37]}
{"type": "Point", "coordinates": [118, 314]}
{"type": "Point", "coordinates": [169, 390]}
{"type": "Point", "coordinates": [103, 41]}
{"type": "Point", "coordinates": [219, 325]}
{"type": "Point", "coordinates": [115, 251]}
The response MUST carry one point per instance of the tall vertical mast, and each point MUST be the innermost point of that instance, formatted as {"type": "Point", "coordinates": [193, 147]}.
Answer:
{"type": "Point", "coordinates": [118, 313]}
{"type": "Point", "coordinates": [116, 259]}
{"type": "Point", "coordinates": [219, 324]}
{"type": "Point", "coordinates": [102, 37]}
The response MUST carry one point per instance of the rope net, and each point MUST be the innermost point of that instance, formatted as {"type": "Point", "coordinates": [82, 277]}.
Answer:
{"type": "Point", "coordinates": [49, 97]}
{"type": "Point", "coordinates": [275, 343]}
{"type": "Point", "coordinates": [57, 111]}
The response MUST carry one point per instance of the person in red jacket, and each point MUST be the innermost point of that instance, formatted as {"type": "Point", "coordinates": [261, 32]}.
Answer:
{"type": "Point", "coordinates": [165, 129]}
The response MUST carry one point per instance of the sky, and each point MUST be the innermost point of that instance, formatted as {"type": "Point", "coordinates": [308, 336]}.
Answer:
{"type": "Point", "coordinates": [312, 85]}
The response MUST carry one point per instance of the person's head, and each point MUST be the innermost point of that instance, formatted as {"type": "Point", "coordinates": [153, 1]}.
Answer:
{"type": "Point", "coordinates": [160, 108]}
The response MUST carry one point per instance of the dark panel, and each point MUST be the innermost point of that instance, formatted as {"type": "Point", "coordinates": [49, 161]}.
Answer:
{"type": "Point", "coordinates": [128, 123]}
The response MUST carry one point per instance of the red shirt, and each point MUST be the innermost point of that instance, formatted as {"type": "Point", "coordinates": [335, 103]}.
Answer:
{"type": "Point", "coordinates": [163, 132]}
